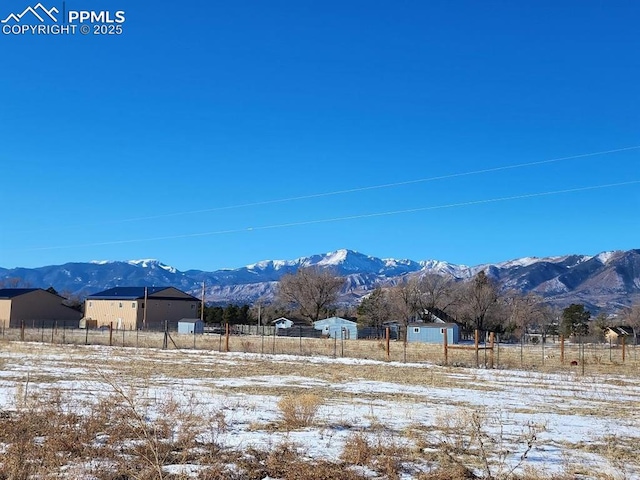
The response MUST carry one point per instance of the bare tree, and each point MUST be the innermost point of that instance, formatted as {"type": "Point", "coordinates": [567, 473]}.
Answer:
{"type": "Point", "coordinates": [404, 300]}
{"type": "Point", "coordinates": [435, 292]}
{"type": "Point", "coordinates": [481, 296]}
{"type": "Point", "coordinates": [312, 291]}
{"type": "Point", "coordinates": [525, 311]}
{"type": "Point", "coordinates": [631, 316]}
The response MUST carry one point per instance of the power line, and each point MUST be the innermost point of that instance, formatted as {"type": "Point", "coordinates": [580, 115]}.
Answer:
{"type": "Point", "coordinates": [347, 191]}
{"type": "Point", "coordinates": [339, 219]}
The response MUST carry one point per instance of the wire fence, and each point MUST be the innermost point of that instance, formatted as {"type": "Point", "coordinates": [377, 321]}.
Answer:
{"type": "Point", "coordinates": [551, 355]}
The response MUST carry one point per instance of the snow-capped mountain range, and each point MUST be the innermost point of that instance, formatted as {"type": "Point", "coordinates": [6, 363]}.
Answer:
{"type": "Point", "coordinates": [609, 279]}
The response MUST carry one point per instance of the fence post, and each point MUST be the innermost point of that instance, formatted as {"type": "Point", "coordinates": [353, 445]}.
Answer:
{"type": "Point", "coordinates": [262, 341]}
{"type": "Point", "coordinates": [562, 349]}
{"type": "Point", "coordinates": [476, 344]}
{"type": "Point", "coordinates": [623, 349]}
{"type": "Point", "coordinates": [53, 329]}
{"type": "Point", "coordinates": [86, 334]}
{"type": "Point", "coordinates": [41, 331]}
{"type": "Point", "coordinates": [300, 333]}
{"type": "Point", "coordinates": [226, 338]}
{"type": "Point", "coordinates": [491, 344]}
{"type": "Point", "coordinates": [22, 330]}
{"type": "Point", "coordinates": [110, 333]}
{"type": "Point", "coordinates": [388, 334]}
{"type": "Point", "coordinates": [446, 346]}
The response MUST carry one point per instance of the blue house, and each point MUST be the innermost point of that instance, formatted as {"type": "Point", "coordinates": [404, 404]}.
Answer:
{"type": "Point", "coordinates": [433, 332]}
{"type": "Point", "coordinates": [336, 327]}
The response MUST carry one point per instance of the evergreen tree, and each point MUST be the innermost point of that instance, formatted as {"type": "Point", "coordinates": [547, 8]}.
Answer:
{"type": "Point", "coordinates": [575, 320]}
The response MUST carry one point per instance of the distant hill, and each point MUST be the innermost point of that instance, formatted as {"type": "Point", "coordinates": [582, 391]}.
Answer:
{"type": "Point", "coordinates": [610, 279]}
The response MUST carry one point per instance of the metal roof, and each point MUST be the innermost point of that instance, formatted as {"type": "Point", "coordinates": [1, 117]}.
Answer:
{"type": "Point", "coordinates": [126, 293]}
{"type": "Point", "coordinates": [15, 292]}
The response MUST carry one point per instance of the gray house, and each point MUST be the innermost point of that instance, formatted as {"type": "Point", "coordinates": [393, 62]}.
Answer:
{"type": "Point", "coordinates": [336, 327]}
{"type": "Point", "coordinates": [433, 332]}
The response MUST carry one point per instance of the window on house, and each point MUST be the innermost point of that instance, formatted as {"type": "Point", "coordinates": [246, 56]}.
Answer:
{"type": "Point", "coordinates": [416, 329]}
{"type": "Point", "coordinates": [142, 305]}
{"type": "Point", "coordinates": [120, 304]}
{"type": "Point", "coordinates": [442, 330]}
{"type": "Point", "coordinates": [133, 304]}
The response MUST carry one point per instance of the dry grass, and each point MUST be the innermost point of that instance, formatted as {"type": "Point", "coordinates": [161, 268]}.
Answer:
{"type": "Point", "coordinates": [129, 433]}
{"type": "Point", "coordinates": [298, 411]}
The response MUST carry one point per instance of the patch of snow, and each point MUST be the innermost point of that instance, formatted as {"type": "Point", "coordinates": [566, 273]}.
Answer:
{"type": "Point", "coordinates": [150, 263]}
{"type": "Point", "coordinates": [604, 257]}
{"type": "Point", "coordinates": [334, 258]}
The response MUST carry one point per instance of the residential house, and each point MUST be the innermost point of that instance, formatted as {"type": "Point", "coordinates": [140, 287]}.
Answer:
{"type": "Point", "coordinates": [35, 307]}
{"type": "Point", "coordinates": [616, 334]}
{"type": "Point", "coordinates": [284, 322]}
{"type": "Point", "coordinates": [132, 308]}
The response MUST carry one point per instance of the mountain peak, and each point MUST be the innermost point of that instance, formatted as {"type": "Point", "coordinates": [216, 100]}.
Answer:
{"type": "Point", "coordinates": [152, 263]}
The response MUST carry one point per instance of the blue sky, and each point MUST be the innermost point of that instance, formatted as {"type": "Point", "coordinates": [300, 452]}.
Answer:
{"type": "Point", "coordinates": [174, 139]}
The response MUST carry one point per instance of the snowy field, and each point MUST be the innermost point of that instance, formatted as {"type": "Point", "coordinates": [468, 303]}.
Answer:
{"type": "Point", "coordinates": [497, 423]}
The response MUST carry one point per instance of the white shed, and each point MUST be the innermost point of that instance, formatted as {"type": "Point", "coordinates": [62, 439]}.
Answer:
{"type": "Point", "coordinates": [190, 326]}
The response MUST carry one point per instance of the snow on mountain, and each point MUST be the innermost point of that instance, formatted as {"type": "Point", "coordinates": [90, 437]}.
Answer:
{"type": "Point", "coordinates": [604, 257]}
{"type": "Point", "coordinates": [597, 280]}
{"type": "Point", "coordinates": [152, 263]}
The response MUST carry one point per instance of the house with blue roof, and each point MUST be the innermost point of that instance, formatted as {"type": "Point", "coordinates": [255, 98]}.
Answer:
{"type": "Point", "coordinates": [145, 308]}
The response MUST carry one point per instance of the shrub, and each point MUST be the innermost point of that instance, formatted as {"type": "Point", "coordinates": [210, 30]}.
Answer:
{"type": "Point", "coordinates": [299, 410]}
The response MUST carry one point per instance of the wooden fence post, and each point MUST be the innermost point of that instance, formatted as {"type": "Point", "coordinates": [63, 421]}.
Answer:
{"type": "Point", "coordinates": [562, 349]}
{"type": "Point", "coordinates": [388, 335]}
{"type": "Point", "coordinates": [110, 333]}
{"type": "Point", "coordinates": [623, 349]}
{"type": "Point", "coordinates": [226, 338]}
{"type": "Point", "coordinates": [491, 343]}
{"type": "Point", "coordinates": [446, 347]}
{"type": "Point", "coordinates": [476, 344]}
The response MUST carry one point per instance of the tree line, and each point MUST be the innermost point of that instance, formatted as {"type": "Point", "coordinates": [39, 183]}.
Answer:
{"type": "Point", "coordinates": [479, 303]}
